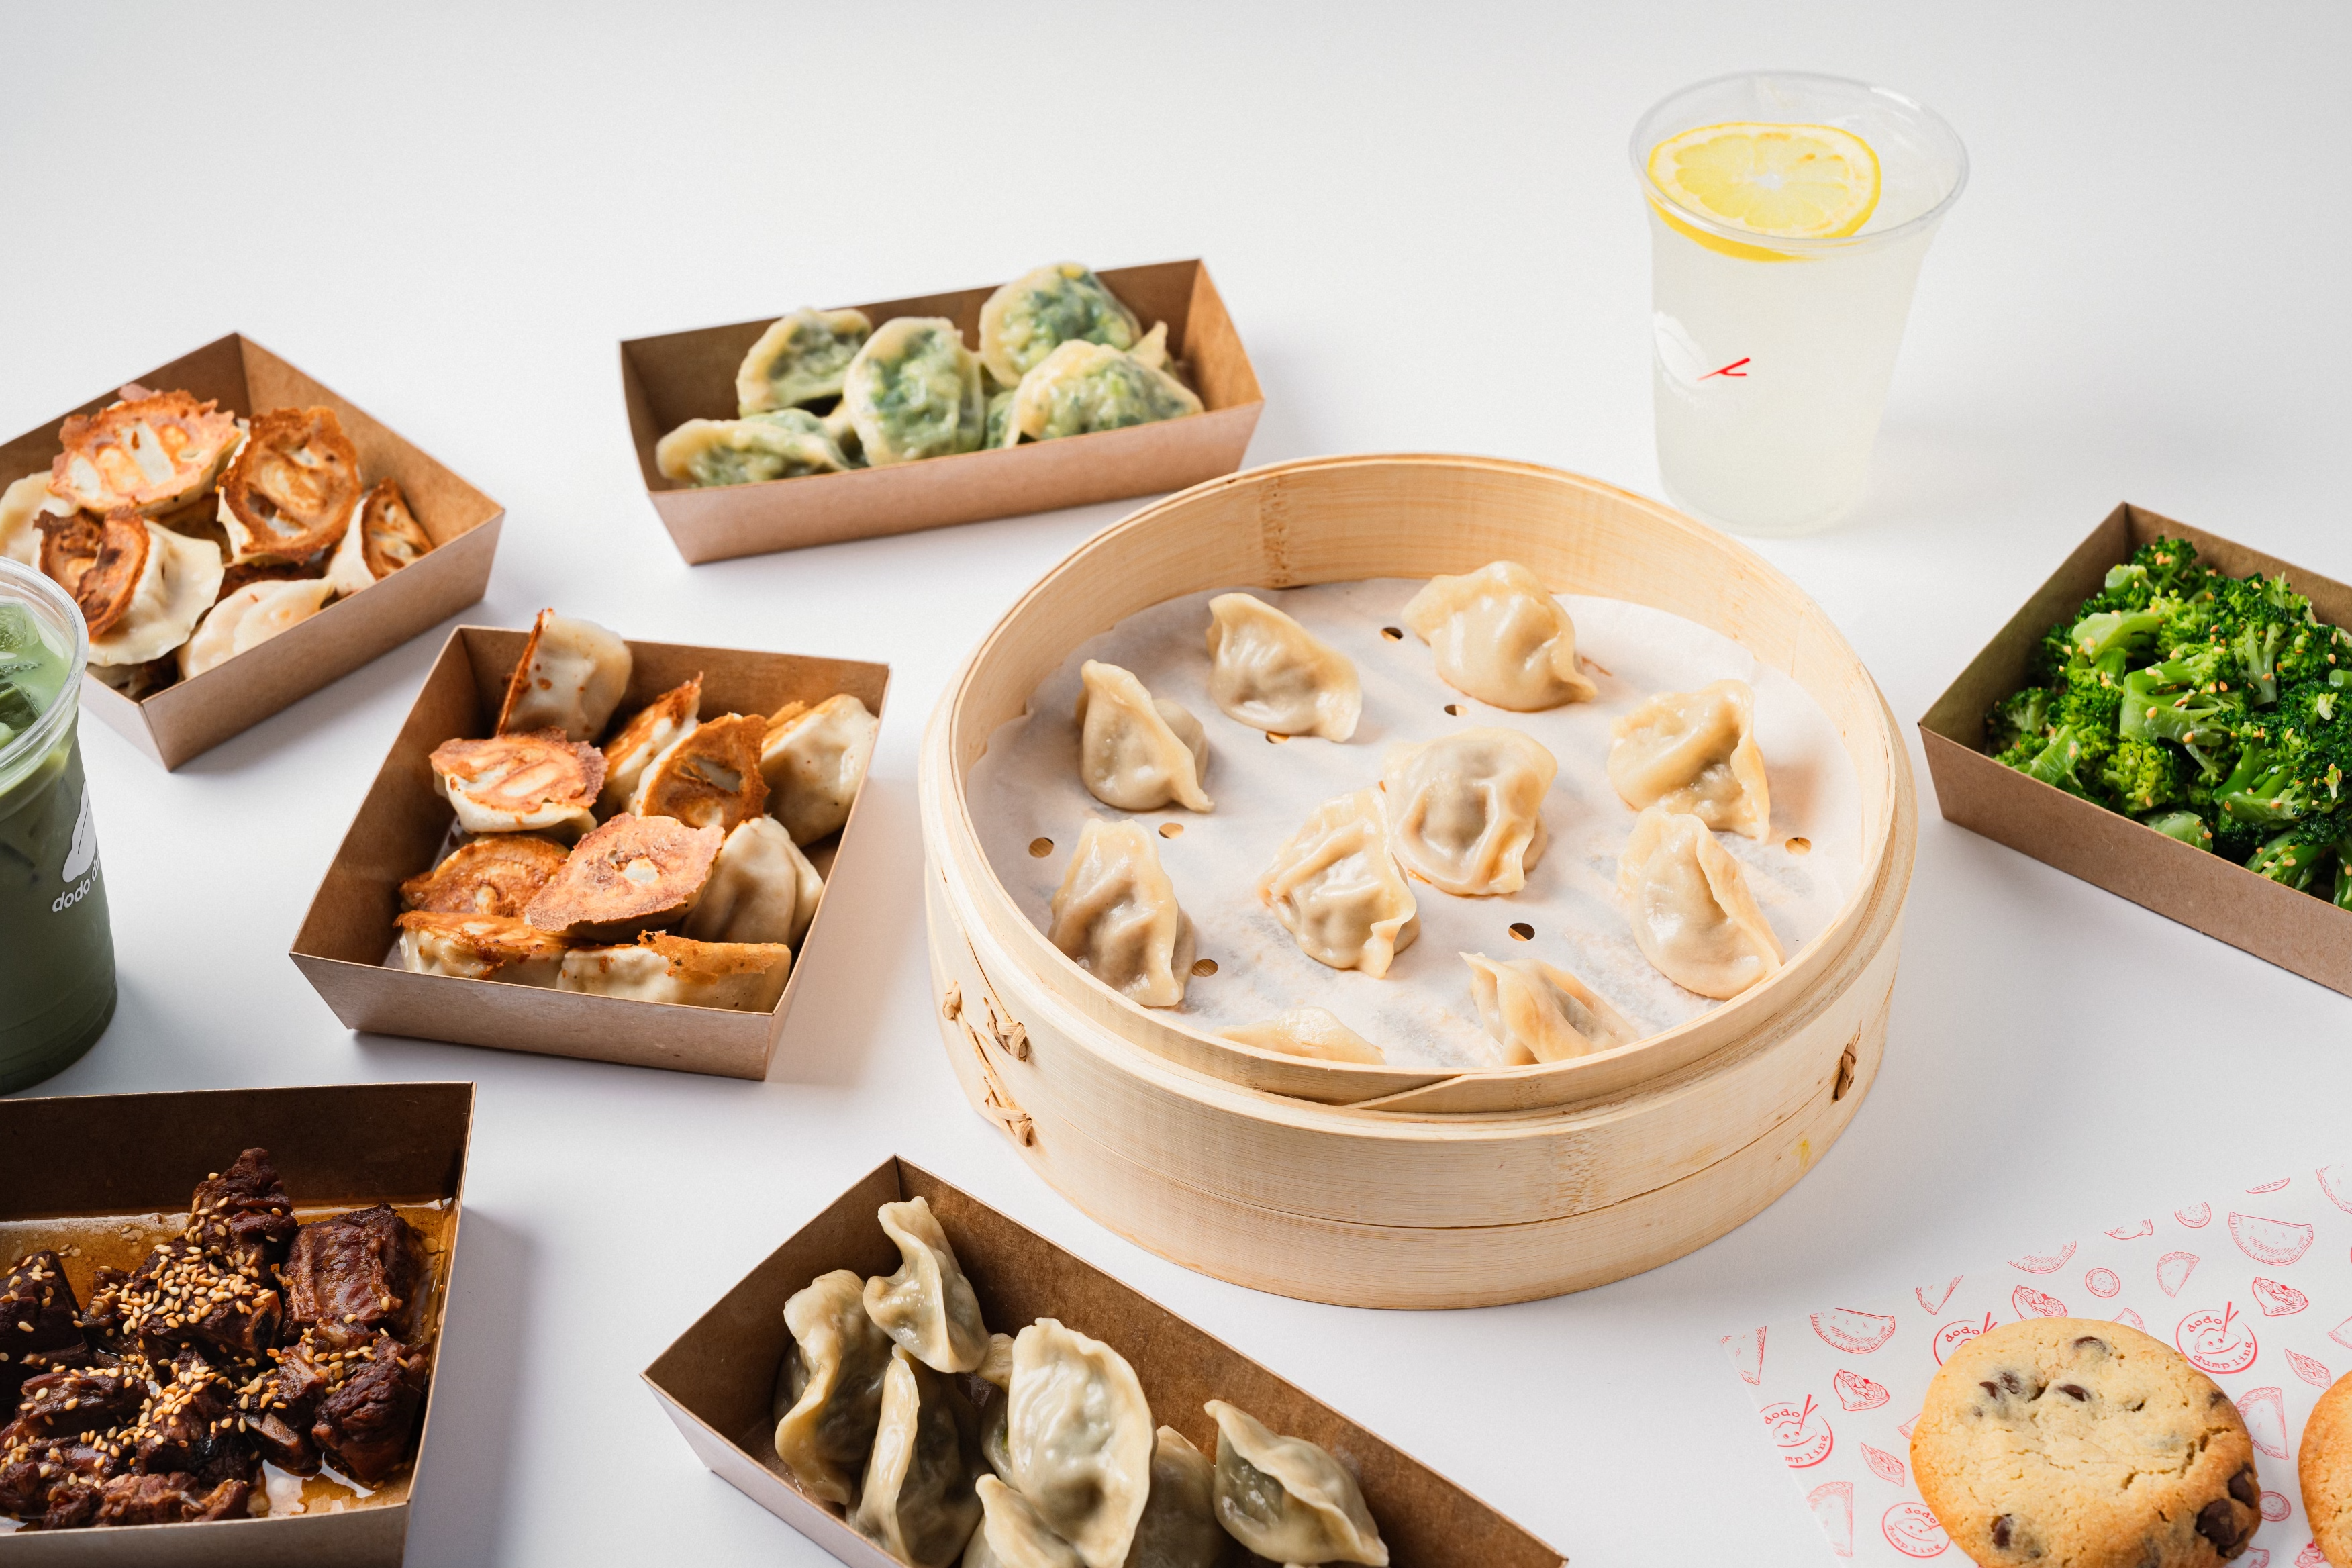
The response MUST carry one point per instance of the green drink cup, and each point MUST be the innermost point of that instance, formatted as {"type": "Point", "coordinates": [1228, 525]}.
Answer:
{"type": "Point", "coordinates": [56, 952]}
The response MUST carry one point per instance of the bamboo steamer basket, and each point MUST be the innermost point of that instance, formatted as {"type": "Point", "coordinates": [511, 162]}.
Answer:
{"type": "Point", "coordinates": [1371, 1186]}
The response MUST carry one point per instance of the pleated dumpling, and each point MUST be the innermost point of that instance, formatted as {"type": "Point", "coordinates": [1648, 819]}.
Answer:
{"type": "Point", "coordinates": [913, 391]}
{"type": "Point", "coordinates": [1287, 1500]}
{"type": "Point", "coordinates": [1539, 1013]}
{"type": "Point", "coordinates": [571, 676]}
{"type": "Point", "coordinates": [1013, 1534]}
{"type": "Point", "coordinates": [1084, 387]}
{"type": "Point", "coordinates": [1336, 888]}
{"type": "Point", "coordinates": [1690, 909]}
{"type": "Point", "coordinates": [140, 587]}
{"type": "Point", "coordinates": [829, 1390]}
{"type": "Point", "coordinates": [1314, 1032]}
{"type": "Point", "coordinates": [1136, 751]}
{"type": "Point", "coordinates": [1273, 674]}
{"type": "Point", "coordinates": [762, 889]}
{"type": "Point", "coordinates": [248, 616]}
{"type": "Point", "coordinates": [927, 1306]}
{"type": "Point", "coordinates": [1079, 1432]}
{"type": "Point", "coordinates": [918, 1501]}
{"type": "Point", "coordinates": [1466, 810]}
{"type": "Point", "coordinates": [1499, 635]}
{"type": "Point", "coordinates": [813, 760]}
{"type": "Point", "coordinates": [1178, 1527]}
{"type": "Point", "coordinates": [1694, 751]}
{"type": "Point", "coordinates": [801, 358]}
{"type": "Point", "coordinates": [786, 444]}
{"type": "Point", "coordinates": [1037, 312]}
{"type": "Point", "coordinates": [1115, 913]}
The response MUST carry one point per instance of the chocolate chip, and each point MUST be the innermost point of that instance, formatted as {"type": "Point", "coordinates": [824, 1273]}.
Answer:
{"type": "Point", "coordinates": [2008, 1381]}
{"type": "Point", "coordinates": [2091, 1339]}
{"type": "Point", "coordinates": [2001, 1531]}
{"type": "Point", "coordinates": [2243, 1488]}
{"type": "Point", "coordinates": [2072, 1390]}
{"type": "Point", "coordinates": [1991, 1388]}
{"type": "Point", "coordinates": [2217, 1521]}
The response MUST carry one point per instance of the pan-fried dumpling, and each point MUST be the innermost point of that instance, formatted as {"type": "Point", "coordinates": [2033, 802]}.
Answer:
{"type": "Point", "coordinates": [1136, 751]}
{"type": "Point", "coordinates": [1691, 911]}
{"type": "Point", "coordinates": [708, 775]}
{"type": "Point", "coordinates": [384, 537]}
{"type": "Point", "coordinates": [571, 676]}
{"type": "Point", "coordinates": [1694, 751]}
{"type": "Point", "coordinates": [813, 760]}
{"type": "Point", "coordinates": [1115, 913]}
{"type": "Point", "coordinates": [1178, 1527]}
{"type": "Point", "coordinates": [762, 889]}
{"type": "Point", "coordinates": [1079, 1431]}
{"type": "Point", "coordinates": [1538, 1013]}
{"type": "Point", "coordinates": [829, 1390]}
{"type": "Point", "coordinates": [251, 616]}
{"type": "Point", "coordinates": [1336, 888]}
{"type": "Point", "coordinates": [177, 585]}
{"type": "Point", "coordinates": [1287, 1500]}
{"type": "Point", "coordinates": [648, 734]}
{"type": "Point", "coordinates": [1040, 310]}
{"type": "Point", "coordinates": [928, 1305]}
{"type": "Point", "coordinates": [1083, 387]}
{"type": "Point", "coordinates": [154, 452]}
{"type": "Point", "coordinates": [1305, 1032]}
{"type": "Point", "coordinates": [478, 947]}
{"type": "Point", "coordinates": [531, 782]}
{"type": "Point", "coordinates": [290, 494]}
{"type": "Point", "coordinates": [913, 391]}
{"type": "Point", "coordinates": [741, 976]}
{"type": "Point", "coordinates": [1500, 636]}
{"type": "Point", "coordinates": [1013, 1534]}
{"type": "Point", "coordinates": [21, 506]}
{"type": "Point", "coordinates": [917, 1503]}
{"type": "Point", "coordinates": [1466, 809]}
{"type": "Point", "coordinates": [801, 358]}
{"type": "Point", "coordinates": [1273, 674]}
{"type": "Point", "coordinates": [783, 445]}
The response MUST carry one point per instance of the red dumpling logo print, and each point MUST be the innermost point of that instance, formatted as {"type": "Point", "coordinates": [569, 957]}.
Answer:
{"type": "Point", "coordinates": [2031, 1303]}
{"type": "Point", "coordinates": [2196, 1216]}
{"type": "Point", "coordinates": [2265, 1412]}
{"type": "Point", "coordinates": [2045, 1262]}
{"type": "Point", "coordinates": [2276, 1242]}
{"type": "Point", "coordinates": [1856, 1392]}
{"type": "Point", "coordinates": [1833, 1506]}
{"type": "Point", "coordinates": [1941, 1294]}
{"type": "Point", "coordinates": [2134, 1232]}
{"type": "Point", "coordinates": [1952, 1336]}
{"type": "Point", "coordinates": [1800, 1432]}
{"type": "Point", "coordinates": [2102, 1283]}
{"type": "Point", "coordinates": [2336, 1181]}
{"type": "Point", "coordinates": [2173, 1270]}
{"type": "Point", "coordinates": [1911, 1528]}
{"type": "Point", "coordinates": [2278, 1300]}
{"type": "Point", "coordinates": [2217, 1343]}
{"type": "Point", "coordinates": [1883, 1464]}
{"type": "Point", "coordinates": [2314, 1373]}
{"type": "Point", "coordinates": [1747, 1356]}
{"type": "Point", "coordinates": [1856, 1334]}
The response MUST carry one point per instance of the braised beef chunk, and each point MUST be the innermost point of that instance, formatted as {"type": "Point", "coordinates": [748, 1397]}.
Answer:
{"type": "Point", "coordinates": [53, 1483]}
{"type": "Point", "coordinates": [287, 1406]}
{"type": "Point", "coordinates": [243, 1212]}
{"type": "Point", "coordinates": [78, 1400]}
{"type": "Point", "coordinates": [102, 1320]}
{"type": "Point", "coordinates": [365, 1418]}
{"type": "Point", "coordinates": [170, 1499]}
{"type": "Point", "coordinates": [360, 1268]}
{"type": "Point", "coordinates": [38, 1327]}
{"type": "Point", "coordinates": [181, 1295]}
{"type": "Point", "coordinates": [193, 1426]}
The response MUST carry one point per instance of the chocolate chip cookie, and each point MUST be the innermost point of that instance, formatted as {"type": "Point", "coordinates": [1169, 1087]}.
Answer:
{"type": "Point", "coordinates": [2069, 1443]}
{"type": "Point", "coordinates": [2324, 1469]}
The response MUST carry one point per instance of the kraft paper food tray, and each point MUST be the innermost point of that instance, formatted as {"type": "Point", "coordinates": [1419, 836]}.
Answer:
{"type": "Point", "coordinates": [2294, 931]}
{"type": "Point", "coordinates": [716, 1380]}
{"type": "Point", "coordinates": [679, 376]}
{"type": "Point", "coordinates": [133, 1156]}
{"type": "Point", "coordinates": [194, 716]}
{"type": "Point", "coordinates": [403, 822]}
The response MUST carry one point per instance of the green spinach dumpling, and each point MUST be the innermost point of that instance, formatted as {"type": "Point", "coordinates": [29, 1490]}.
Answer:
{"type": "Point", "coordinates": [800, 358]}
{"type": "Point", "coordinates": [783, 445]}
{"type": "Point", "coordinates": [913, 391]}
{"type": "Point", "coordinates": [1081, 387]}
{"type": "Point", "coordinates": [1000, 417]}
{"type": "Point", "coordinates": [1039, 311]}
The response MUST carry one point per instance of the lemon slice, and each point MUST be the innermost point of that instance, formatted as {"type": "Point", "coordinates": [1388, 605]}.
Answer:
{"type": "Point", "coordinates": [1784, 181]}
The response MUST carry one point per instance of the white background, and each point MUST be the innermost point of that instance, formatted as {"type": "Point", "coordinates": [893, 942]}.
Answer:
{"type": "Point", "coordinates": [1422, 220]}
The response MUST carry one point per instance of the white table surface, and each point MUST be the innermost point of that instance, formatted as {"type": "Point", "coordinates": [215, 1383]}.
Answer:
{"type": "Point", "coordinates": [1423, 221]}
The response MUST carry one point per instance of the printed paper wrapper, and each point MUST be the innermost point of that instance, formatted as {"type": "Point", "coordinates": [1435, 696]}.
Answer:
{"type": "Point", "coordinates": [2253, 1287]}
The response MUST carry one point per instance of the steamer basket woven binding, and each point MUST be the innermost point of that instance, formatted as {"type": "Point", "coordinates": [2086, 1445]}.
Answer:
{"type": "Point", "coordinates": [1373, 1185]}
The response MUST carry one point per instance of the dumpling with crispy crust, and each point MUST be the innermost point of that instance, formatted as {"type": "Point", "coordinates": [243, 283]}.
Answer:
{"type": "Point", "coordinates": [667, 719]}
{"type": "Point", "coordinates": [534, 783]}
{"type": "Point", "coordinates": [22, 506]}
{"type": "Point", "coordinates": [742, 976]}
{"type": "Point", "coordinates": [495, 876]}
{"type": "Point", "coordinates": [292, 493]}
{"type": "Point", "coordinates": [631, 875]}
{"type": "Point", "coordinates": [384, 537]}
{"type": "Point", "coordinates": [479, 947]}
{"type": "Point", "coordinates": [709, 775]}
{"type": "Point", "coordinates": [140, 588]}
{"type": "Point", "coordinates": [152, 452]}
{"type": "Point", "coordinates": [572, 675]}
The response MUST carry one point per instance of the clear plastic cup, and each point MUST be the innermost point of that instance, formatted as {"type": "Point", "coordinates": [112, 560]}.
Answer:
{"type": "Point", "coordinates": [56, 951]}
{"type": "Point", "coordinates": [1772, 357]}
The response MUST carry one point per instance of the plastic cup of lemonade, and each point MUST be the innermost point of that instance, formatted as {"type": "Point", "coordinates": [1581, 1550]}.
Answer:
{"type": "Point", "coordinates": [1788, 215]}
{"type": "Point", "coordinates": [57, 953]}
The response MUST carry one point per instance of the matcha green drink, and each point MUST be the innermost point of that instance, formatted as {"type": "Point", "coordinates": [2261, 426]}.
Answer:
{"type": "Point", "coordinates": [57, 955]}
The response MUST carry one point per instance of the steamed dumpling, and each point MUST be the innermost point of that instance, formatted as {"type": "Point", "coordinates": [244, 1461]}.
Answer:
{"type": "Point", "coordinates": [21, 506]}
{"type": "Point", "coordinates": [927, 1306]}
{"type": "Point", "coordinates": [1539, 1013]}
{"type": "Point", "coordinates": [1136, 751]}
{"type": "Point", "coordinates": [1037, 312]}
{"type": "Point", "coordinates": [783, 445]}
{"type": "Point", "coordinates": [918, 1501]}
{"type": "Point", "coordinates": [178, 583]}
{"type": "Point", "coordinates": [1287, 1500]}
{"type": "Point", "coordinates": [1690, 909]}
{"type": "Point", "coordinates": [1115, 913]}
{"type": "Point", "coordinates": [1273, 674]}
{"type": "Point", "coordinates": [1178, 1527]}
{"type": "Point", "coordinates": [1499, 635]}
{"type": "Point", "coordinates": [1013, 1534]}
{"type": "Point", "coordinates": [1336, 888]}
{"type": "Point", "coordinates": [801, 358]}
{"type": "Point", "coordinates": [250, 616]}
{"type": "Point", "coordinates": [913, 391]}
{"type": "Point", "coordinates": [1694, 751]}
{"type": "Point", "coordinates": [762, 889]}
{"type": "Point", "coordinates": [1079, 1432]}
{"type": "Point", "coordinates": [571, 676]}
{"type": "Point", "coordinates": [1466, 809]}
{"type": "Point", "coordinates": [1084, 387]}
{"type": "Point", "coordinates": [830, 1386]}
{"type": "Point", "coordinates": [813, 759]}
{"type": "Point", "coordinates": [1305, 1032]}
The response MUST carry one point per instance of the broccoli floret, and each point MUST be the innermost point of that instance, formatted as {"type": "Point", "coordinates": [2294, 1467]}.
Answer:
{"type": "Point", "coordinates": [2182, 700]}
{"type": "Point", "coordinates": [2160, 569]}
{"type": "Point", "coordinates": [2342, 900]}
{"type": "Point", "coordinates": [2128, 632]}
{"type": "Point", "coordinates": [2260, 618]}
{"type": "Point", "coordinates": [2293, 858]}
{"type": "Point", "coordinates": [2059, 762]}
{"type": "Point", "coordinates": [2265, 791]}
{"type": "Point", "coordinates": [2142, 775]}
{"type": "Point", "coordinates": [2023, 717]}
{"type": "Point", "coordinates": [2185, 826]}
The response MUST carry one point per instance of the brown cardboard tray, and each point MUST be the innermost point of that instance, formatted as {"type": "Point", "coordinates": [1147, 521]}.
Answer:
{"type": "Point", "coordinates": [80, 1166]}
{"type": "Point", "coordinates": [2294, 931]}
{"type": "Point", "coordinates": [679, 376]}
{"type": "Point", "coordinates": [404, 819]}
{"type": "Point", "coordinates": [716, 1380]}
{"type": "Point", "coordinates": [193, 716]}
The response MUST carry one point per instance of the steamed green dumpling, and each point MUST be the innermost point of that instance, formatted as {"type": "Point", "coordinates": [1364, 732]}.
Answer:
{"type": "Point", "coordinates": [1000, 417]}
{"type": "Point", "coordinates": [781, 445]}
{"type": "Point", "coordinates": [800, 358]}
{"type": "Point", "coordinates": [1081, 387]}
{"type": "Point", "coordinates": [913, 391]}
{"type": "Point", "coordinates": [1039, 311]}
